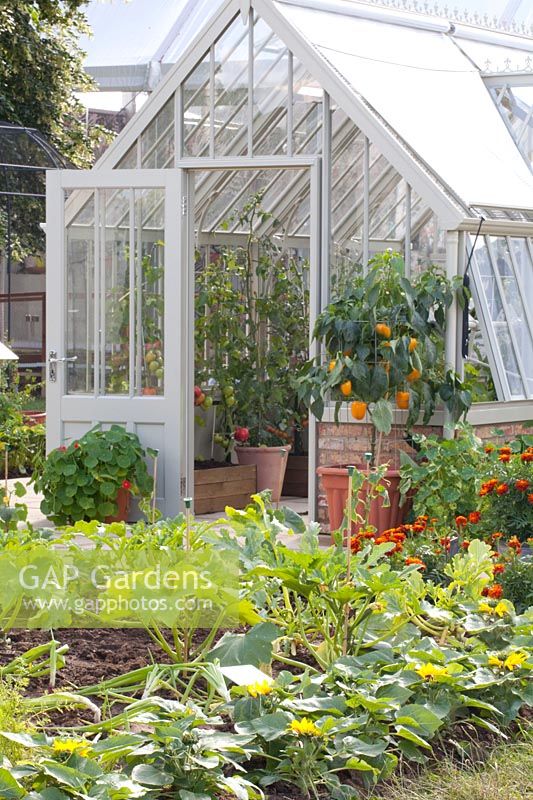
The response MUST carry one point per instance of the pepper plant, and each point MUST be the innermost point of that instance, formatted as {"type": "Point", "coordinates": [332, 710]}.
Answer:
{"type": "Point", "coordinates": [382, 345]}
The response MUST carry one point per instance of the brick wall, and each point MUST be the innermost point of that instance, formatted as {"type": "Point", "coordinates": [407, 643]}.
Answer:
{"type": "Point", "coordinates": [346, 443]}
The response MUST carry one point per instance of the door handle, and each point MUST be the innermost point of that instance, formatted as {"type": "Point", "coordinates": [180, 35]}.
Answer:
{"type": "Point", "coordinates": [53, 360]}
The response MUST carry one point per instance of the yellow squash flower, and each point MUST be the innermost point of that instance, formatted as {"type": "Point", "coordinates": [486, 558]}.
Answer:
{"type": "Point", "coordinates": [304, 727]}
{"type": "Point", "coordinates": [501, 609]}
{"type": "Point", "coordinates": [431, 671]}
{"type": "Point", "coordinates": [485, 608]}
{"type": "Point", "coordinates": [258, 688]}
{"type": "Point", "coordinates": [80, 747]}
{"type": "Point", "coordinates": [515, 659]}
{"type": "Point", "coordinates": [494, 661]}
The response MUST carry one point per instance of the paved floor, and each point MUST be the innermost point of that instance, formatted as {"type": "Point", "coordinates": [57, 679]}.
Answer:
{"type": "Point", "coordinates": [38, 520]}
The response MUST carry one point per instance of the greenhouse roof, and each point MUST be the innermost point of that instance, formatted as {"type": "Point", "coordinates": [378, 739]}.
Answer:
{"type": "Point", "coordinates": [413, 83]}
{"type": "Point", "coordinates": [410, 71]}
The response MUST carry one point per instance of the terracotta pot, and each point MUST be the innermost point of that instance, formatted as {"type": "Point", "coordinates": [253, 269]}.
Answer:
{"type": "Point", "coordinates": [32, 418]}
{"type": "Point", "coordinates": [123, 500]}
{"type": "Point", "coordinates": [335, 482]}
{"type": "Point", "coordinates": [148, 391]}
{"type": "Point", "coordinates": [271, 463]}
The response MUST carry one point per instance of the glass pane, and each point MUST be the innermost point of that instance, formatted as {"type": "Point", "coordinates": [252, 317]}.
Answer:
{"type": "Point", "coordinates": [116, 293]}
{"type": "Point", "coordinates": [149, 291]}
{"type": "Point", "coordinates": [496, 318]}
{"type": "Point", "coordinates": [129, 160]}
{"type": "Point", "coordinates": [196, 110]}
{"type": "Point", "coordinates": [271, 72]}
{"type": "Point", "coordinates": [231, 90]}
{"type": "Point", "coordinates": [307, 111]}
{"type": "Point", "coordinates": [516, 313]}
{"type": "Point", "coordinates": [157, 140]}
{"type": "Point", "coordinates": [347, 179]}
{"type": "Point", "coordinates": [428, 239]}
{"type": "Point", "coordinates": [79, 322]}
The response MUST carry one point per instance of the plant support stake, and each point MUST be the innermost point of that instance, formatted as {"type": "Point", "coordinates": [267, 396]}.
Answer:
{"type": "Point", "coordinates": [154, 493]}
{"type": "Point", "coordinates": [188, 504]}
{"type": "Point", "coordinates": [6, 472]}
{"type": "Point", "coordinates": [351, 470]}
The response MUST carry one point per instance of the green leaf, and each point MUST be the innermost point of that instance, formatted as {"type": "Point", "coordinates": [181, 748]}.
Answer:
{"type": "Point", "coordinates": [359, 765]}
{"type": "Point", "coordinates": [67, 776]}
{"type": "Point", "coordinates": [382, 416]}
{"type": "Point", "coordinates": [10, 789]}
{"type": "Point", "coordinates": [269, 726]}
{"type": "Point", "coordinates": [253, 647]}
{"type": "Point", "coordinates": [148, 775]}
{"type": "Point", "coordinates": [405, 733]}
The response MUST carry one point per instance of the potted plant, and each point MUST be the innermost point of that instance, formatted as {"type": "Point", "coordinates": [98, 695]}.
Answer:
{"type": "Point", "coordinates": [251, 335]}
{"type": "Point", "coordinates": [94, 477]}
{"type": "Point", "coordinates": [382, 352]}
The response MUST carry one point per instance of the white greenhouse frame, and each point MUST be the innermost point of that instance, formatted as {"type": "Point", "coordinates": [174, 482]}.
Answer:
{"type": "Point", "coordinates": [359, 185]}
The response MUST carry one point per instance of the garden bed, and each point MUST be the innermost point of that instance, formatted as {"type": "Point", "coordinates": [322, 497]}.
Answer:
{"type": "Point", "coordinates": [218, 485]}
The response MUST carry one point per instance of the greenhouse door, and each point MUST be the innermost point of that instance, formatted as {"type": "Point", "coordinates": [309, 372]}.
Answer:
{"type": "Point", "coordinates": [115, 327]}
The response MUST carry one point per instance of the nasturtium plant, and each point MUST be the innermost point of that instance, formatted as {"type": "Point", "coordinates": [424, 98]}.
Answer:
{"type": "Point", "coordinates": [81, 481]}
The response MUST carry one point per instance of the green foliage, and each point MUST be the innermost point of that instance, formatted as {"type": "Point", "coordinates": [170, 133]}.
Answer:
{"type": "Point", "coordinates": [25, 443]}
{"type": "Point", "coordinates": [385, 335]}
{"type": "Point", "coordinates": [517, 582]}
{"type": "Point", "coordinates": [14, 715]}
{"type": "Point", "coordinates": [252, 311]}
{"type": "Point", "coordinates": [42, 68]}
{"type": "Point", "coordinates": [444, 479]}
{"type": "Point", "coordinates": [81, 481]}
{"type": "Point", "coordinates": [425, 662]}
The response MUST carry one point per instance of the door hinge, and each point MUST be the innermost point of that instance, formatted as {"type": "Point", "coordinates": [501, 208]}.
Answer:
{"type": "Point", "coordinates": [184, 206]}
{"type": "Point", "coordinates": [183, 486]}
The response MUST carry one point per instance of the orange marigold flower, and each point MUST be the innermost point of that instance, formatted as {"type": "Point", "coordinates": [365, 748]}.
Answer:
{"type": "Point", "coordinates": [445, 542]}
{"type": "Point", "coordinates": [504, 457]}
{"type": "Point", "coordinates": [498, 569]}
{"type": "Point", "coordinates": [461, 521]}
{"type": "Point", "coordinates": [415, 561]}
{"type": "Point", "coordinates": [417, 527]}
{"type": "Point", "coordinates": [483, 491]}
{"type": "Point", "coordinates": [355, 544]}
{"type": "Point", "coordinates": [497, 535]}
{"type": "Point", "coordinates": [521, 484]}
{"type": "Point", "coordinates": [474, 517]}
{"type": "Point", "coordinates": [530, 498]}
{"type": "Point", "coordinates": [505, 450]}
{"type": "Point", "coordinates": [465, 545]}
{"type": "Point", "coordinates": [502, 488]}
{"type": "Point", "coordinates": [526, 457]}
{"type": "Point", "coordinates": [489, 448]}
{"type": "Point", "coordinates": [515, 543]}
{"type": "Point", "coordinates": [494, 592]}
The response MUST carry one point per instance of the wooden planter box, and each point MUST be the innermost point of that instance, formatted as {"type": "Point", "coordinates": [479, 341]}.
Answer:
{"type": "Point", "coordinates": [216, 488]}
{"type": "Point", "coordinates": [296, 477]}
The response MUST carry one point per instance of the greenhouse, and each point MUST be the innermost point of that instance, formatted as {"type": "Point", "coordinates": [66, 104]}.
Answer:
{"type": "Point", "coordinates": [329, 131]}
